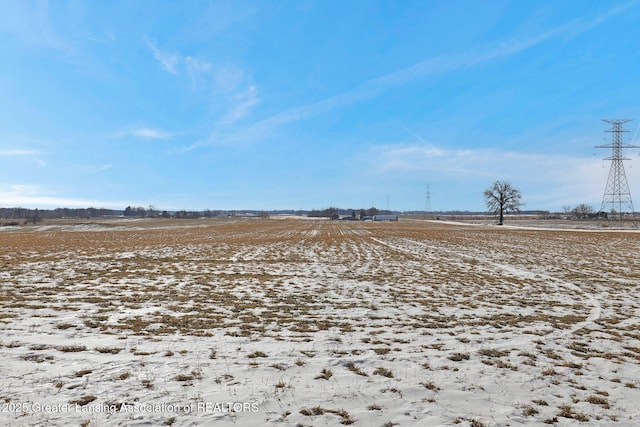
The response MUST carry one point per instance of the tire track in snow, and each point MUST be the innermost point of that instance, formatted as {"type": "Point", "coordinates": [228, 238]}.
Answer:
{"type": "Point", "coordinates": [596, 307]}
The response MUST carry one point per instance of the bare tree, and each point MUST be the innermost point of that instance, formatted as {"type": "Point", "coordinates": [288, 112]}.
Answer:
{"type": "Point", "coordinates": [502, 198]}
{"type": "Point", "coordinates": [583, 211]}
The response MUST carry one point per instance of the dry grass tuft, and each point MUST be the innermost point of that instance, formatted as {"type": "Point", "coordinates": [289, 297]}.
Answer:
{"type": "Point", "coordinates": [109, 350]}
{"type": "Point", "coordinates": [196, 374]}
{"type": "Point", "coordinates": [490, 352]}
{"type": "Point", "coordinates": [345, 417]}
{"type": "Point", "coordinates": [71, 348]}
{"type": "Point", "coordinates": [598, 400]}
{"type": "Point", "coordinates": [430, 386]}
{"type": "Point", "coordinates": [257, 354]}
{"type": "Point", "coordinates": [324, 375]}
{"type": "Point", "coordinates": [83, 372]}
{"type": "Point", "coordinates": [566, 411]}
{"type": "Point", "coordinates": [353, 368]}
{"type": "Point", "coordinates": [383, 372]}
{"type": "Point", "coordinates": [458, 357]}
{"type": "Point", "coordinates": [83, 401]}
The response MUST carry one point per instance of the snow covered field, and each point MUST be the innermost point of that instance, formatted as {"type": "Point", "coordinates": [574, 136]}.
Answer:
{"type": "Point", "coordinates": [301, 322]}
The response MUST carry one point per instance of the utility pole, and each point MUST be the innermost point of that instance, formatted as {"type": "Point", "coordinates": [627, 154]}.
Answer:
{"type": "Point", "coordinates": [616, 200]}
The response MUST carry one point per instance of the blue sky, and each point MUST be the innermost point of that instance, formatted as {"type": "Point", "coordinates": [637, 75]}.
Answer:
{"type": "Point", "coordinates": [310, 104]}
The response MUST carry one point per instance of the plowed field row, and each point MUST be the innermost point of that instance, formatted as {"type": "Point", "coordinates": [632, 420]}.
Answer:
{"type": "Point", "coordinates": [414, 323]}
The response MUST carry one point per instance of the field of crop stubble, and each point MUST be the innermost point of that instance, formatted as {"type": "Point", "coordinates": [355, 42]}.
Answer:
{"type": "Point", "coordinates": [309, 322]}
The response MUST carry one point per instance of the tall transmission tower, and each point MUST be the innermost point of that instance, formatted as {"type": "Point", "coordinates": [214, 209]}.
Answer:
{"type": "Point", "coordinates": [617, 197]}
{"type": "Point", "coordinates": [427, 205]}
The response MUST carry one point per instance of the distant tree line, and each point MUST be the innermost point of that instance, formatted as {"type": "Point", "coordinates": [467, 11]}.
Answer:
{"type": "Point", "coordinates": [583, 211]}
{"type": "Point", "coordinates": [334, 212]}
{"type": "Point", "coordinates": [13, 215]}
{"type": "Point", "coordinates": [19, 216]}
{"type": "Point", "coordinates": [37, 215]}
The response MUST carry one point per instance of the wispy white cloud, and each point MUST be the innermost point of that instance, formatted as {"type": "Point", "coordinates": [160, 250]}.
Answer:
{"type": "Point", "coordinates": [431, 66]}
{"type": "Point", "coordinates": [264, 127]}
{"type": "Point", "coordinates": [197, 70]}
{"type": "Point", "coordinates": [18, 152]}
{"type": "Point", "coordinates": [150, 133]}
{"type": "Point", "coordinates": [320, 107]}
{"type": "Point", "coordinates": [228, 84]}
{"type": "Point", "coordinates": [371, 88]}
{"type": "Point", "coordinates": [552, 180]}
{"type": "Point", "coordinates": [581, 25]}
{"type": "Point", "coordinates": [503, 48]}
{"type": "Point", "coordinates": [143, 132]}
{"type": "Point", "coordinates": [33, 196]}
{"type": "Point", "coordinates": [228, 78]}
{"type": "Point", "coordinates": [197, 64]}
{"type": "Point", "coordinates": [30, 24]}
{"type": "Point", "coordinates": [167, 61]}
{"type": "Point", "coordinates": [421, 159]}
{"type": "Point", "coordinates": [412, 133]}
{"type": "Point", "coordinates": [93, 169]}
{"type": "Point", "coordinates": [28, 154]}
{"type": "Point", "coordinates": [245, 101]}
{"type": "Point", "coordinates": [365, 91]}
{"type": "Point", "coordinates": [23, 189]}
